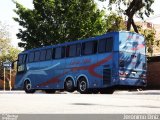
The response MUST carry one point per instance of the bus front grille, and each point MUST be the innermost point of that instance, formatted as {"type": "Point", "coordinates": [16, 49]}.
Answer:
{"type": "Point", "coordinates": [106, 76]}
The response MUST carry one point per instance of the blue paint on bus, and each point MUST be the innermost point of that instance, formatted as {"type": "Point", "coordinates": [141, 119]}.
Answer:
{"type": "Point", "coordinates": [112, 59]}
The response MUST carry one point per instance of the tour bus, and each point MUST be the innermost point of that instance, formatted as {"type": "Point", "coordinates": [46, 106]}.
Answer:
{"type": "Point", "coordinates": [97, 64]}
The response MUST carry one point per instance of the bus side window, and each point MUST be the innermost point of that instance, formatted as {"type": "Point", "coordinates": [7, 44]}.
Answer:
{"type": "Point", "coordinates": [62, 52]}
{"type": "Point", "coordinates": [37, 56]}
{"type": "Point", "coordinates": [73, 50]}
{"type": "Point", "coordinates": [49, 54]}
{"type": "Point", "coordinates": [24, 58]}
{"type": "Point", "coordinates": [105, 45]}
{"type": "Point", "coordinates": [31, 57]}
{"type": "Point", "coordinates": [89, 48]}
{"type": "Point", "coordinates": [78, 49]}
{"type": "Point", "coordinates": [102, 46]}
{"type": "Point", "coordinates": [109, 44]}
{"type": "Point", "coordinates": [43, 55]}
{"type": "Point", "coordinates": [20, 59]}
{"type": "Point", "coordinates": [67, 51]}
{"type": "Point", "coordinates": [57, 53]}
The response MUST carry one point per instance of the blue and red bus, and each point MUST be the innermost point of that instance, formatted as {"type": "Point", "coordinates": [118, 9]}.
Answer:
{"type": "Point", "coordinates": [97, 64]}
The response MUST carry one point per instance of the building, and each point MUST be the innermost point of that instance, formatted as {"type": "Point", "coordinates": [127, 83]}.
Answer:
{"type": "Point", "coordinates": [156, 27]}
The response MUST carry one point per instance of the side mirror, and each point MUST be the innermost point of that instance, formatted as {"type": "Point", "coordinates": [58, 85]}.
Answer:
{"type": "Point", "coordinates": [12, 65]}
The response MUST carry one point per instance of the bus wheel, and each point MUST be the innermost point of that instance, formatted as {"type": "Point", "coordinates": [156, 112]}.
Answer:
{"type": "Point", "coordinates": [27, 87]}
{"type": "Point", "coordinates": [69, 85]}
{"type": "Point", "coordinates": [82, 86]}
{"type": "Point", "coordinates": [50, 91]}
{"type": "Point", "coordinates": [107, 91]}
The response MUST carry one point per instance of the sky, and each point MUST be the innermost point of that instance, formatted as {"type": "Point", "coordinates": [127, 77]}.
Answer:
{"type": "Point", "coordinates": [7, 14]}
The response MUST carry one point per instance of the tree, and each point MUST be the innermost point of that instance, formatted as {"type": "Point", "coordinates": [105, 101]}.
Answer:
{"type": "Point", "coordinates": [149, 35]}
{"type": "Point", "coordinates": [139, 7]}
{"type": "Point", "coordinates": [58, 21]}
{"type": "Point", "coordinates": [115, 22]}
{"type": "Point", "coordinates": [4, 38]}
{"type": "Point", "coordinates": [7, 52]}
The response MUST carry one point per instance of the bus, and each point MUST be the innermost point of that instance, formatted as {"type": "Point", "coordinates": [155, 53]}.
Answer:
{"type": "Point", "coordinates": [97, 64]}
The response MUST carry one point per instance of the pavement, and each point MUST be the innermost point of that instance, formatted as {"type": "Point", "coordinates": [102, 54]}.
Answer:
{"type": "Point", "coordinates": [121, 102]}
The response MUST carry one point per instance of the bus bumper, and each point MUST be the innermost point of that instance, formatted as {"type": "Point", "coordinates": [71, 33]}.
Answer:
{"type": "Point", "coordinates": [132, 82]}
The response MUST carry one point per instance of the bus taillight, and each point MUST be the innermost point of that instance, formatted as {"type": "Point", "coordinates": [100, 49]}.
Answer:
{"type": "Point", "coordinates": [122, 74]}
{"type": "Point", "coordinates": [143, 76]}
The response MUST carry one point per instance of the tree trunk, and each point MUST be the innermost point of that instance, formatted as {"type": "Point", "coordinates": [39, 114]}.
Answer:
{"type": "Point", "coordinates": [129, 24]}
{"type": "Point", "coordinates": [134, 26]}
{"type": "Point", "coordinates": [134, 6]}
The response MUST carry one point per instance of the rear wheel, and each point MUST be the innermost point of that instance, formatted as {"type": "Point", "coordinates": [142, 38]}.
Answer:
{"type": "Point", "coordinates": [82, 86]}
{"type": "Point", "coordinates": [28, 87]}
{"type": "Point", "coordinates": [69, 85]}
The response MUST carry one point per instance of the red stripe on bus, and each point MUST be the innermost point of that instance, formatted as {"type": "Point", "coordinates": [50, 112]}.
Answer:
{"type": "Point", "coordinates": [53, 80]}
{"type": "Point", "coordinates": [90, 69]}
{"type": "Point", "coordinates": [138, 47]}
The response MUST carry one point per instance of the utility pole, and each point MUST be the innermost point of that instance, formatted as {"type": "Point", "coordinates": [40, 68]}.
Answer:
{"type": "Point", "coordinates": [4, 82]}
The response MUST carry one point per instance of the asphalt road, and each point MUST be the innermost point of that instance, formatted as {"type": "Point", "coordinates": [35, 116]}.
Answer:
{"type": "Point", "coordinates": [121, 102]}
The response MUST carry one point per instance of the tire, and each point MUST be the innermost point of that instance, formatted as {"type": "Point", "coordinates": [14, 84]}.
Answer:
{"type": "Point", "coordinates": [82, 86]}
{"type": "Point", "coordinates": [28, 87]}
{"type": "Point", "coordinates": [107, 91]}
{"type": "Point", "coordinates": [69, 85]}
{"type": "Point", "coordinates": [50, 91]}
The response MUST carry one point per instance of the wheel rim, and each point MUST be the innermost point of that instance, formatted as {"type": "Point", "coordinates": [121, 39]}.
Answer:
{"type": "Point", "coordinates": [69, 84]}
{"type": "Point", "coordinates": [83, 86]}
{"type": "Point", "coordinates": [28, 86]}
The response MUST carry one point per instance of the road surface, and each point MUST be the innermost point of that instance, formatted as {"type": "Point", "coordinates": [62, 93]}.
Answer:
{"type": "Point", "coordinates": [121, 102]}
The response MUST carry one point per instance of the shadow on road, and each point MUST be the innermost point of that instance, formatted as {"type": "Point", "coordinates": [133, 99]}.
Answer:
{"type": "Point", "coordinates": [91, 104]}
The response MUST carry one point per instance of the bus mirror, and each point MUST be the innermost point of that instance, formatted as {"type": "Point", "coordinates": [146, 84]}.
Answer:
{"type": "Point", "coordinates": [12, 65]}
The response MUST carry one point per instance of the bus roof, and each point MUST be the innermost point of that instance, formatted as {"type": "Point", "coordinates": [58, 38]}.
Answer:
{"type": "Point", "coordinates": [108, 34]}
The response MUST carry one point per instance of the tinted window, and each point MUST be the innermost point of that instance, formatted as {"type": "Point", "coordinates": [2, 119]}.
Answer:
{"type": "Point", "coordinates": [89, 48]}
{"type": "Point", "coordinates": [43, 55]}
{"type": "Point", "coordinates": [20, 59]}
{"type": "Point", "coordinates": [31, 57]}
{"type": "Point", "coordinates": [63, 52]}
{"type": "Point", "coordinates": [58, 53]}
{"type": "Point", "coordinates": [49, 54]}
{"type": "Point", "coordinates": [24, 58]}
{"type": "Point", "coordinates": [73, 50]}
{"type": "Point", "coordinates": [78, 52]}
{"type": "Point", "coordinates": [105, 45]}
{"type": "Point", "coordinates": [37, 56]}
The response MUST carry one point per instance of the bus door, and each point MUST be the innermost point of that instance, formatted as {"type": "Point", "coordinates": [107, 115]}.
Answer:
{"type": "Point", "coordinates": [105, 58]}
{"type": "Point", "coordinates": [21, 69]}
{"type": "Point", "coordinates": [21, 63]}
{"type": "Point", "coordinates": [105, 69]}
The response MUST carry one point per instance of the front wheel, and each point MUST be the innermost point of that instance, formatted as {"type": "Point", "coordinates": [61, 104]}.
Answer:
{"type": "Point", "coordinates": [28, 87]}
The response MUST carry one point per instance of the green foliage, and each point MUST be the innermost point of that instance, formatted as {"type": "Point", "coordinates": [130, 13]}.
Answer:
{"type": "Point", "coordinates": [4, 38]}
{"type": "Point", "coordinates": [141, 7]}
{"type": "Point", "coordinates": [115, 22]}
{"type": "Point", "coordinates": [131, 7]}
{"type": "Point", "coordinates": [149, 35]}
{"type": "Point", "coordinates": [7, 52]}
{"type": "Point", "coordinates": [58, 21]}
